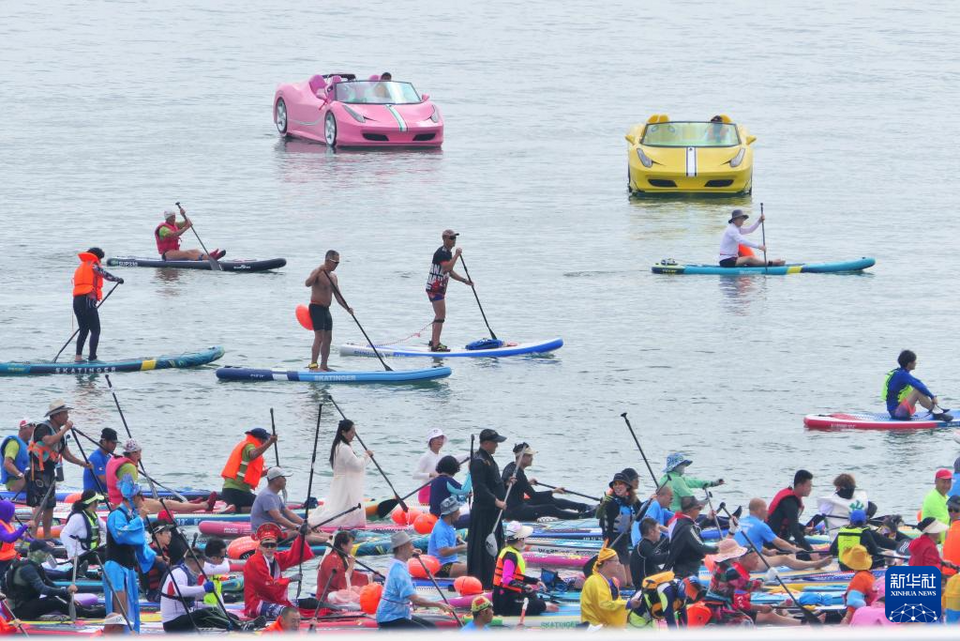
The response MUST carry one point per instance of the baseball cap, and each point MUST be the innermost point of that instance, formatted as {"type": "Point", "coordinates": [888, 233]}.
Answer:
{"type": "Point", "coordinates": [258, 433]}
{"type": "Point", "coordinates": [449, 232]}
{"type": "Point", "coordinates": [276, 472]}
{"type": "Point", "coordinates": [164, 517]}
{"type": "Point", "coordinates": [944, 474]}
{"type": "Point", "coordinates": [858, 516]}
{"type": "Point", "coordinates": [26, 421]}
{"type": "Point", "coordinates": [491, 435]}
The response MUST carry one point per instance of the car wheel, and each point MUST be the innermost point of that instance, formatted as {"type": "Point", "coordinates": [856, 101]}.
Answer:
{"type": "Point", "coordinates": [330, 129]}
{"type": "Point", "coordinates": [280, 117]}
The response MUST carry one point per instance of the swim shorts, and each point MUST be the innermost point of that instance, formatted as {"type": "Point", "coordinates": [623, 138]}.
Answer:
{"type": "Point", "coordinates": [728, 262]}
{"type": "Point", "coordinates": [321, 318]}
{"type": "Point", "coordinates": [435, 296]}
{"type": "Point", "coordinates": [444, 571]}
{"type": "Point", "coordinates": [904, 412]}
{"type": "Point", "coordinates": [37, 488]}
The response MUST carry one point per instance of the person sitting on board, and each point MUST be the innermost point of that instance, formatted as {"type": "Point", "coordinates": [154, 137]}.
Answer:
{"type": "Point", "coordinates": [784, 511]}
{"type": "Point", "coordinates": [87, 294]}
{"type": "Point", "coordinates": [30, 594]}
{"type": "Point", "coordinates": [777, 551]}
{"type": "Point", "coordinates": [84, 535]}
{"type": "Point", "coordinates": [527, 504]}
{"type": "Point", "coordinates": [264, 586]}
{"type": "Point", "coordinates": [441, 271]}
{"type": "Point", "coordinates": [876, 612]}
{"type": "Point", "coordinates": [395, 610]}
{"type": "Point", "coordinates": [183, 607]}
{"type": "Point", "coordinates": [681, 484]}
{"type": "Point", "coordinates": [10, 534]}
{"type": "Point", "coordinates": [444, 485]}
{"type": "Point", "coordinates": [288, 622]}
{"type": "Point", "coordinates": [600, 600]}
{"type": "Point", "coordinates": [95, 478]}
{"type": "Point", "coordinates": [324, 286]}
{"type": "Point", "coordinates": [168, 233]}
{"type": "Point", "coordinates": [733, 237]}
{"type": "Point", "coordinates": [902, 391]}
{"type": "Point", "coordinates": [650, 552]}
{"type": "Point", "coordinates": [616, 514]}
{"type": "Point", "coordinates": [856, 532]}
{"type": "Point", "coordinates": [482, 610]}
{"type": "Point", "coordinates": [935, 502]}
{"type": "Point", "coordinates": [923, 549]}
{"type": "Point", "coordinates": [426, 469]}
{"type": "Point", "coordinates": [444, 542]}
{"type": "Point", "coordinates": [511, 585]}
{"type": "Point", "coordinates": [846, 497]}
{"type": "Point", "coordinates": [244, 469]}
{"type": "Point", "coordinates": [338, 570]}
{"type": "Point", "coordinates": [16, 457]}
{"type": "Point", "coordinates": [687, 548]}
{"type": "Point", "coordinates": [269, 507]}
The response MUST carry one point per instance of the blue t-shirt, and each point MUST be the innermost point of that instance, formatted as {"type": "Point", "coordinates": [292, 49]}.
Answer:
{"type": "Point", "coordinates": [443, 536]}
{"type": "Point", "coordinates": [98, 460]}
{"type": "Point", "coordinates": [397, 590]}
{"type": "Point", "coordinates": [657, 512]}
{"type": "Point", "coordinates": [899, 379]}
{"type": "Point", "coordinates": [955, 488]}
{"type": "Point", "coordinates": [758, 531]}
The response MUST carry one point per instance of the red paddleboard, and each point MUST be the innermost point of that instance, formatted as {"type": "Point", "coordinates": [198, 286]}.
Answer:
{"type": "Point", "coordinates": [873, 421]}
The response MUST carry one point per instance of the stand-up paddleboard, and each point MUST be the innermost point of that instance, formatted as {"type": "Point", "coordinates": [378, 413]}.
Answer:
{"type": "Point", "coordinates": [670, 267]}
{"type": "Point", "coordinates": [189, 359]}
{"type": "Point", "coordinates": [875, 421]}
{"type": "Point", "coordinates": [507, 349]}
{"type": "Point", "coordinates": [316, 376]}
{"type": "Point", "coordinates": [234, 265]}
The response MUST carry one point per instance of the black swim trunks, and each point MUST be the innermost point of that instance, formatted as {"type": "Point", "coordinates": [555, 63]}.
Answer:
{"type": "Point", "coordinates": [728, 262]}
{"type": "Point", "coordinates": [321, 318]}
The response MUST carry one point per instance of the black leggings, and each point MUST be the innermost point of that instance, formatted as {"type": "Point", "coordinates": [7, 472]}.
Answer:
{"type": "Point", "coordinates": [35, 608]}
{"type": "Point", "coordinates": [413, 623]}
{"type": "Point", "coordinates": [556, 508]}
{"type": "Point", "coordinates": [88, 320]}
{"type": "Point", "coordinates": [203, 618]}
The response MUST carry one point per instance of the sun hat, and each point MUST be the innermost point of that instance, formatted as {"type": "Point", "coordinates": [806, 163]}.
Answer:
{"type": "Point", "coordinates": [630, 473]}
{"type": "Point", "coordinates": [737, 213]}
{"type": "Point", "coordinates": [943, 474]}
{"type": "Point", "coordinates": [931, 525]}
{"type": "Point", "coordinates": [449, 505]}
{"type": "Point", "coordinates": [619, 478]}
{"type": "Point", "coordinates": [114, 619]}
{"type": "Point", "coordinates": [268, 531]}
{"type": "Point", "coordinates": [398, 539]}
{"type": "Point", "coordinates": [729, 549]}
{"type": "Point", "coordinates": [258, 433]}
{"type": "Point", "coordinates": [674, 460]}
{"type": "Point", "coordinates": [514, 530]}
{"type": "Point", "coordinates": [276, 472]}
{"type": "Point", "coordinates": [690, 502]}
{"type": "Point", "coordinates": [605, 554]}
{"type": "Point", "coordinates": [128, 488]}
{"type": "Point", "coordinates": [56, 407]}
{"type": "Point", "coordinates": [434, 433]}
{"type": "Point", "coordinates": [131, 446]}
{"type": "Point", "coordinates": [857, 558]}
{"type": "Point", "coordinates": [858, 517]}
{"type": "Point", "coordinates": [491, 435]}
{"type": "Point", "coordinates": [167, 213]}
{"type": "Point", "coordinates": [480, 604]}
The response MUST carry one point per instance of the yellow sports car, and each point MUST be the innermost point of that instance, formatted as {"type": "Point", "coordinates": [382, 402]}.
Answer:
{"type": "Point", "coordinates": [669, 156]}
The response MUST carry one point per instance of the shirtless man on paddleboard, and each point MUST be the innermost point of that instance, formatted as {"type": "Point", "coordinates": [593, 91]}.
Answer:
{"type": "Point", "coordinates": [323, 286]}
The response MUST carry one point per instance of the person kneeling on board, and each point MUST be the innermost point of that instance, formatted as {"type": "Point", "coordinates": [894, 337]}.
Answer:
{"type": "Point", "coordinates": [168, 233]}
{"type": "Point", "coordinates": [182, 608]}
{"type": "Point", "coordinates": [733, 237]}
{"type": "Point", "coordinates": [511, 586]}
{"type": "Point", "coordinates": [903, 391]}
{"type": "Point", "coordinates": [527, 504]}
{"type": "Point", "coordinates": [777, 550]}
{"type": "Point", "coordinates": [31, 594]}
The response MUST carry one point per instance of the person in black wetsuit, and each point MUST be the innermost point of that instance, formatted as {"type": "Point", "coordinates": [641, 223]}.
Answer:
{"type": "Point", "coordinates": [32, 594]}
{"type": "Point", "coordinates": [488, 494]}
{"type": "Point", "coordinates": [687, 549]}
{"type": "Point", "coordinates": [527, 504]}
{"type": "Point", "coordinates": [649, 555]}
{"type": "Point", "coordinates": [87, 294]}
{"type": "Point", "coordinates": [785, 509]}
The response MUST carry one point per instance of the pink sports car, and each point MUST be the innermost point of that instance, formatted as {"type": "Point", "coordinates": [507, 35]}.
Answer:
{"type": "Point", "coordinates": [342, 111]}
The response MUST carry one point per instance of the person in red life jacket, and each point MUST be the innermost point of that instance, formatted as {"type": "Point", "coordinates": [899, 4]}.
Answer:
{"type": "Point", "coordinates": [785, 509]}
{"type": "Point", "coordinates": [16, 457]}
{"type": "Point", "coordinates": [47, 447]}
{"type": "Point", "coordinates": [168, 233]}
{"type": "Point", "coordinates": [87, 294]}
{"type": "Point", "coordinates": [441, 271]}
{"type": "Point", "coordinates": [731, 587]}
{"type": "Point", "coordinates": [288, 621]}
{"type": "Point", "coordinates": [264, 586]}
{"type": "Point", "coordinates": [244, 469]}
{"type": "Point", "coordinates": [344, 563]}
{"type": "Point", "coordinates": [324, 287]}
{"type": "Point", "coordinates": [9, 535]}
{"type": "Point", "coordinates": [923, 549]}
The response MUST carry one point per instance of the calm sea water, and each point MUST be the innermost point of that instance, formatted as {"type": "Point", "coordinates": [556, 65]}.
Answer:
{"type": "Point", "coordinates": [114, 110]}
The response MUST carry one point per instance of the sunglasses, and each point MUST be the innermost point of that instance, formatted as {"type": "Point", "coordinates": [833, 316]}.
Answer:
{"type": "Point", "coordinates": [264, 544]}
{"type": "Point", "coordinates": [335, 262]}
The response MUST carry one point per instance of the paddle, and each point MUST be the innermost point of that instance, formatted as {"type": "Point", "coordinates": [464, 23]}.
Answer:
{"type": "Point", "coordinates": [490, 543]}
{"type": "Point", "coordinates": [116, 401]}
{"type": "Point", "coordinates": [313, 619]}
{"type": "Point", "coordinates": [336, 290]}
{"type": "Point", "coordinates": [763, 238]}
{"type": "Point", "coordinates": [306, 513]}
{"type": "Point", "coordinates": [566, 491]}
{"type": "Point", "coordinates": [716, 521]}
{"type": "Point", "coordinates": [276, 453]}
{"type": "Point", "coordinates": [13, 617]}
{"type": "Point", "coordinates": [637, 441]}
{"type": "Point", "coordinates": [115, 285]}
{"type": "Point", "coordinates": [211, 259]}
{"type": "Point", "coordinates": [442, 595]}
{"type": "Point", "coordinates": [467, 272]}
{"type": "Point", "coordinates": [470, 497]}
{"type": "Point", "coordinates": [396, 495]}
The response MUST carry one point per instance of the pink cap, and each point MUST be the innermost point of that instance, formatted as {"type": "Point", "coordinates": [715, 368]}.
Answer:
{"type": "Point", "coordinates": [944, 474]}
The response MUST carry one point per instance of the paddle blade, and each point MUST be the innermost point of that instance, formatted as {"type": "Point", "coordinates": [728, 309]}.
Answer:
{"type": "Point", "coordinates": [491, 545]}
{"type": "Point", "coordinates": [384, 508]}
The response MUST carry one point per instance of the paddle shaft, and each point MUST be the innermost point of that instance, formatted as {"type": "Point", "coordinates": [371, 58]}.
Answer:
{"type": "Point", "coordinates": [13, 617]}
{"type": "Point", "coordinates": [442, 595]}
{"type": "Point", "coordinates": [276, 452]}
{"type": "Point", "coordinates": [506, 496]}
{"type": "Point", "coordinates": [72, 609]}
{"type": "Point", "coordinates": [470, 497]}
{"type": "Point", "coordinates": [115, 285]}
{"type": "Point", "coordinates": [313, 619]}
{"type": "Point", "coordinates": [336, 290]}
{"type": "Point", "coordinates": [211, 259]}
{"type": "Point", "coordinates": [763, 239]}
{"type": "Point", "coordinates": [716, 520]}
{"type": "Point", "coordinates": [566, 491]}
{"type": "Point", "coordinates": [474, 289]}
{"type": "Point", "coordinates": [306, 513]}
{"type": "Point", "coordinates": [126, 427]}
{"type": "Point", "coordinates": [637, 441]}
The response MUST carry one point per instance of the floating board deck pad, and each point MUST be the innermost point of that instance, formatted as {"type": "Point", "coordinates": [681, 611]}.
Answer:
{"type": "Point", "coordinates": [875, 421]}
{"type": "Point", "coordinates": [235, 265]}
{"type": "Point", "coordinates": [669, 267]}
{"type": "Point", "coordinates": [189, 359]}
{"type": "Point", "coordinates": [316, 376]}
{"type": "Point", "coordinates": [507, 349]}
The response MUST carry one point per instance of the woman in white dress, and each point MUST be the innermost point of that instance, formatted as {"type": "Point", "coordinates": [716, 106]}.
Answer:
{"type": "Point", "coordinates": [346, 490]}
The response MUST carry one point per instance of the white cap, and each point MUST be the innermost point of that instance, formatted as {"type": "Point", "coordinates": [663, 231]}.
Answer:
{"type": "Point", "coordinates": [434, 433]}
{"type": "Point", "coordinates": [168, 212]}
{"type": "Point", "coordinates": [516, 530]}
{"type": "Point", "coordinates": [276, 472]}
{"type": "Point", "coordinates": [114, 619]}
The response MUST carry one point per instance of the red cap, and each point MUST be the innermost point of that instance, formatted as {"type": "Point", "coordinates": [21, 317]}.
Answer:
{"type": "Point", "coordinates": [944, 474]}
{"type": "Point", "coordinates": [165, 517]}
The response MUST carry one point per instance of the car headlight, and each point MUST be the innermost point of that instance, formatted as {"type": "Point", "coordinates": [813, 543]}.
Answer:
{"type": "Point", "coordinates": [356, 116]}
{"type": "Point", "coordinates": [435, 116]}
{"type": "Point", "coordinates": [739, 157]}
{"type": "Point", "coordinates": [646, 162]}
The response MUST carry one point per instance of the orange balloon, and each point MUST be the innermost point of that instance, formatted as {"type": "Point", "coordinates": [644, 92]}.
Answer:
{"type": "Point", "coordinates": [424, 523]}
{"type": "Point", "coordinates": [72, 498]}
{"type": "Point", "coordinates": [370, 597]}
{"type": "Point", "coordinates": [467, 586]}
{"type": "Point", "coordinates": [416, 569]}
{"type": "Point", "coordinates": [412, 515]}
{"type": "Point", "coordinates": [399, 517]}
{"type": "Point", "coordinates": [303, 316]}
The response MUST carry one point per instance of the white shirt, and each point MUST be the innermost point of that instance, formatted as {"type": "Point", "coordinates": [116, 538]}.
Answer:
{"type": "Point", "coordinates": [426, 465]}
{"type": "Point", "coordinates": [170, 609]}
{"type": "Point", "coordinates": [76, 527]}
{"type": "Point", "coordinates": [734, 236]}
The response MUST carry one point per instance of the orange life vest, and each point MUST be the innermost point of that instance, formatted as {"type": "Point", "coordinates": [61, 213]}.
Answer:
{"type": "Point", "coordinates": [8, 551]}
{"type": "Point", "coordinates": [498, 570]}
{"type": "Point", "coordinates": [254, 469]}
{"type": "Point", "coordinates": [85, 280]}
{"type": "Point", "coordinates": [951, 547]}
{"type": "Point", "coordinates": [274, 627]}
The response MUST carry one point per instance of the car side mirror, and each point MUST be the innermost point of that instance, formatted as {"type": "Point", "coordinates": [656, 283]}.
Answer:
{"type": "Point", "coordinates": [631, 139]}
{"type": "Point", "coordinates": [751, 139]}
{"type": "Point", "coordinates": [425, 97]}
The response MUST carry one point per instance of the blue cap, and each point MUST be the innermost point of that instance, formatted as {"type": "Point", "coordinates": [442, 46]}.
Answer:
{"type": "Point", "coordinates": [259, 433]}
{"type": "Point", "coordinates": [858, 517]}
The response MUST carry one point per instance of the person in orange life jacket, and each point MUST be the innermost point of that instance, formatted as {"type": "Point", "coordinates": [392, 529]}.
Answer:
{"type": "Point", "coordinates": [731, 587]}
{"type": "Point", "coordinates": [288, 621]}
{"type": "Point", "coordinates": [47, 447]}
{"type": "Point", "coordinates": [244, 469]}
{"type": "Point", "coordinates": [510, 585]}
{"type": "Point", "coordinates": [951, 544]}
{"type": "Point", "coordinates": [526, 503]}
{"type": "Point", "coordinates": [785, 508]}
{"type": "Point", "coordinates": [168, 233]}
{"type": "Point", "coordinates": [87, 293]}
{"type": "Point", "coordinates": [264, 586]}
{"type": "Point", "coordinates": [9, 535]}
{"type": "Point", "coordinates": [16, 457]}
{"type": "Point", "coordinates": [860, 591]}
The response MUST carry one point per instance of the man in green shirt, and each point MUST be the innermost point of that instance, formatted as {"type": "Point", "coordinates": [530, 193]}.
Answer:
{"type": "Point", "coordinates": [16, 460]}
{"type": "Point", "coordinates": [935, 502]}
{"type": "Point", "coordinates": [682, 485]}
{"type": "Point", "coordinates": [244, 469]}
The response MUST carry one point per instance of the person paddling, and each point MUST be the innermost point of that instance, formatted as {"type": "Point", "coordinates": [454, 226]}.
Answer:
{"type": "Point", "coordinates": [527, 504]}
{"type": "Point", "coordinates": [168, 233]}
{"type": "Point", "coordinates": [346, 489]}
{"type": "Point", "coordinates": [10, 534]}
{"type": "Point", "coordinates": [244, 469]}
{"type": "Point", "coordinates": [488, 495]}
{"type": "Point", "coordinates": [264, 586]}
{"type": "Point", "coordinates": [338, 570]}
{"type": "Point", "coordinates": [395, 610]}
{"type": "Point", "coordinates": [687, 548]}
{"type": "Point", "coordinates": [786, 507]}
{"type": "Point", "coordinates": [269, 507]}
{"type": "Point", "coordinates": [682, 485]}
{"type": "Point", "coordinates": [87, 294]}
{"type": "Point", "coordinates": [127, 553]}
{"type": "Point", "coordinates": [119, 467]}
{"type": "Point", "coordinates": [441, 271]}
{"type": "Point", "coordinates": [324, 286]}
{"type": "Point", "coordinates": [444, 485]}
{"type": "Point", "coordinates": [511, 585]}
{"type": "Point", "coordinates": [733, 237]}
{"type": "Point", "coordinates": [95, 478]}
{"type": "Point", "coordinates": [903, 391]}
{"type": "Point", "coordinates": [84, 535]}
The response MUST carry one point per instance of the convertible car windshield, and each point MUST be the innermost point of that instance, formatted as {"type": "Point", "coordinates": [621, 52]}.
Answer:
{"type": "Point", "coordinates": [691, 134]}
{"type": "Point", "coordinates": [368, 92]}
